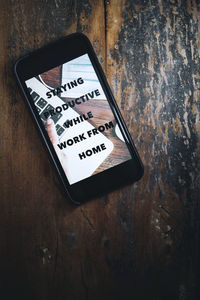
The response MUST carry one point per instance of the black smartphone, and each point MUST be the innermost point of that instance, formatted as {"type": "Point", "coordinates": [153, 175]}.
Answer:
{"type": "Point", "coordinates": [78, 118]}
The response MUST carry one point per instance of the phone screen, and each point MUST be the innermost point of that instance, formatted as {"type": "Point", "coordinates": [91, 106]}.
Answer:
{"type": "Point", "coordinates": [78, 118]}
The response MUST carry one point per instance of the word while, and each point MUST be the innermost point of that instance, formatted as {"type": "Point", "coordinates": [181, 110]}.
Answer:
{"type": "Point", "coordinates": [81, 118]}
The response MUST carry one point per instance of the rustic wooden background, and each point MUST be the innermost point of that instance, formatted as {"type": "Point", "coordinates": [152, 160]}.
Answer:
{"type": "Point", "coordinates": [139, 242]}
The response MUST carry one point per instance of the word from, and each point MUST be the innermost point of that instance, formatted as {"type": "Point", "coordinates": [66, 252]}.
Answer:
{"type": "Point", "coordinates": [101, 128]}
{"type": "Point", "coordinates": [81, 118]}
{"type": "Point", "coordinates": [63, 88]}
{"type": "Point", "coordinates": [94, 150]}
{"type": "Point", "coordinates": [71, 103]}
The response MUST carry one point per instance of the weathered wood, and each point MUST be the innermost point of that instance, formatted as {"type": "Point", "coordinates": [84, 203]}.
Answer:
{"type": "Point", "coordinates": [139, 242]}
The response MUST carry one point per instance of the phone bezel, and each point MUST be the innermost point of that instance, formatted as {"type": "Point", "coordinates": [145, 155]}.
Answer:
{"type": "Point", "coordinates": [56, 54]}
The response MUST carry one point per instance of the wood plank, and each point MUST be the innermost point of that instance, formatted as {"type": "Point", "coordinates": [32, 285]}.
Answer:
{"type": "Point", "coordinates": [153, 66]}
{"type": "Point", "coordinates": [141, 241]}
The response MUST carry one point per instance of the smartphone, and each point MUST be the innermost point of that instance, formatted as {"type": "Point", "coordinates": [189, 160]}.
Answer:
{"type": "Point", "coordinates": [78, 119]}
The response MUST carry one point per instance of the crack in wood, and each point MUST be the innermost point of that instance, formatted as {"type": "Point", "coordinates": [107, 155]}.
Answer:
{"type": "Point", "coordinates": [87, 219]}
{"type": "Point", "coordinates": [84, 283]}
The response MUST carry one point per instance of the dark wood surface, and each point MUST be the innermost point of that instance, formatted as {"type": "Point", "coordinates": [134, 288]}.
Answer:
{"type": "Point", "coordinates": [139, 242]}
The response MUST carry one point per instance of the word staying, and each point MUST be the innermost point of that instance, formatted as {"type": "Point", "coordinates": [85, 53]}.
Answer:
{"type": "Point", "coordinates": [63, 88]}
{"type": "Point", "coordinates": [71, 103]}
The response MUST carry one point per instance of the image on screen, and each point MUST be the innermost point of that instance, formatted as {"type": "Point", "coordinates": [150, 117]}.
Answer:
{"type": "Point", "coordinates": [79, 121]}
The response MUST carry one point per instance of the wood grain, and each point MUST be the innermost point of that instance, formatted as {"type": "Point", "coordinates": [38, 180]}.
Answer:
{"type": "Point", "coordinates": [139, 242]}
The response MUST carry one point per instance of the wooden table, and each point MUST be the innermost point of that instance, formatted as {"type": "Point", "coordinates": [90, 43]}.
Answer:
{"type": "Point", "coordinates": [139, 242]}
